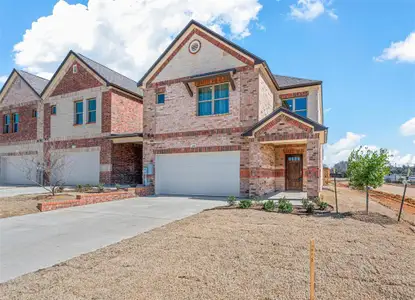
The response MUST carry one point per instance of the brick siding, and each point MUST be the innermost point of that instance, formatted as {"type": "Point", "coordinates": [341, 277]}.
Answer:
{"type": "Point", "coordinates": [126, 113]}
{"type": "Point", "coordinates": [27, 130]}
{"type": "Point", "coordinates": [73, 82]}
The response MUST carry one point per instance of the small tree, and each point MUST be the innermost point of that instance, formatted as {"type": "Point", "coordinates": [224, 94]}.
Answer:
{"type": "Point", "coordinates": [367, 168]}
{"type": "Point", "coordinates": [49, 172]}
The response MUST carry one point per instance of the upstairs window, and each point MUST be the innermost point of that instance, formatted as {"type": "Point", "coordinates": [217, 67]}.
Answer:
{"type": "Point", "coordinates": [15, 120]}
{"type": "Point", "coordinates": [53, 110]}
{"type": "Point", "coordinates": [34, 113]}
{"type": "Point", "coordinates": [92, 110]}
{"type": "Point", "coordinates": [160, 98]}
{"type": "Point", "coordinates": [79, 112]}
{"type": "Point", "coordinates": [213, 100]}
{"type": "Point", "coordinates": [6, 124]}
{"type": "Point", "coordinates": [297, 105]}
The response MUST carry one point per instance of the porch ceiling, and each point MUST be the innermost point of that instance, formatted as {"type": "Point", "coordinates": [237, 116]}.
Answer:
{"type": "Point", "coordinates": [126, 138]}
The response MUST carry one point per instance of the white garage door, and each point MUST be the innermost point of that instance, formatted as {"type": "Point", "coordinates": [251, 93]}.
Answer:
{"type": "Point", "coordinates": [210, 173]}
{"type": "Point", "coordinates": [17, 170]}
{"type": "Point", "coordinates": [81, 168]}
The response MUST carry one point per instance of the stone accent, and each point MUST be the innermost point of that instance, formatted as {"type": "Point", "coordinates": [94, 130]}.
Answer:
{"type": "Point", "coordinates": [313, 168]}
{"type": "Point", "coordinates": [73, 82]}
{"type": "Point", "coordinates": [198, 149]}
{"type": "Point", "coordinates": [206, 36]}
{"type": "Point", "coordinates": [143, 191]}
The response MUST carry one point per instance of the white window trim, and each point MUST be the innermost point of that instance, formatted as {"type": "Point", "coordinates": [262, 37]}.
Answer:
{"type": "Point", "coordinates": [212, 99]}
{"type": "Point", "coordinates": [79, 113]}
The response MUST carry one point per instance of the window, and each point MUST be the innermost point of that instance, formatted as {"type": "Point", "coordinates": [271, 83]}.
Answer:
{"type": "Point", "coordinates": [75, 69]}
{"type": "Point", "coordinates": [213, 100]}
{"type": "Point", "coordinates": [15, 121]}
{"type": "Point", "coordinates": [92, 110]}
{"type": "Point", "coordinates": [297, 105]}
{"type": "Point", "coordinates": [34, 113]}
{"type": "Point", "coordinates": [79, 112]}
{"type": "Point", "coordinates": [160, 98]}
{"type": "Point", "coordinates": [53, 110]}
{"type": "Point", "coordinates": [6, 124]}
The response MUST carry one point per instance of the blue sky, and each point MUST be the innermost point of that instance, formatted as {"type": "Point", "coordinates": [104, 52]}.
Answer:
{"type": "Point", "coordinates": [340, 42]}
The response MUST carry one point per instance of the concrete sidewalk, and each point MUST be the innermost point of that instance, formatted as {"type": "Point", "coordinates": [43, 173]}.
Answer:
{"type": "Point", "coordinates": [29, 243]}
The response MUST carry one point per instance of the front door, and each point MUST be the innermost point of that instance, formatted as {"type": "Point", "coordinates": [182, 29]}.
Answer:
{"type": "Point", "coordinates": [294, 172]}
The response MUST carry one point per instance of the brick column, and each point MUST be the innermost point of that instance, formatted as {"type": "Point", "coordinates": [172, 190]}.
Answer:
{"type": "Point", "coordinates": [313, 167]}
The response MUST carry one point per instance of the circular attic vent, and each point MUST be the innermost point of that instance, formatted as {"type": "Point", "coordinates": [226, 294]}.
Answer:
{"type": "Point", "coordinates": [194, 46]}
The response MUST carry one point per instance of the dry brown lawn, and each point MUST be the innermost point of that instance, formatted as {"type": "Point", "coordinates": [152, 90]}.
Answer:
{"type": "Point", "coordinates": [27, 204]}
{"type": "Point", "coordinates": [239, 254]}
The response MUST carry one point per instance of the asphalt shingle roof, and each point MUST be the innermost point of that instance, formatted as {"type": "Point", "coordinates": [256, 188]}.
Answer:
{"type": "Point", "coordinates": [36, 82]}
{"type": "Point", "coordinates": [285, 82]}
{"type": "Point", "coordinates": [112, 76]}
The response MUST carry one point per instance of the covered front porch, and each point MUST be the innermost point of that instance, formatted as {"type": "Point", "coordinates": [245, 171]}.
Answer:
{"type": "Point", "coordinates": [285, 154]}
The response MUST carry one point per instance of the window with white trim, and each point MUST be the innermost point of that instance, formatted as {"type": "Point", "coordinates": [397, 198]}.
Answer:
{"type": "Point", "coordinates": [297, 105]}
{"type": "Point", "coordinates": [213, 100]}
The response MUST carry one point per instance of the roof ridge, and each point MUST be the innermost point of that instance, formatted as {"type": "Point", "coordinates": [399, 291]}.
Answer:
{"type": "Point", "coordinates": [20, 70]}
{"type": "Point", "coordinates": [83, 56]}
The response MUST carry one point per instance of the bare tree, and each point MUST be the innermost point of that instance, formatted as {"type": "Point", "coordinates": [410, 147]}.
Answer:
{"type": "Point", "coordinates": [47, 172]}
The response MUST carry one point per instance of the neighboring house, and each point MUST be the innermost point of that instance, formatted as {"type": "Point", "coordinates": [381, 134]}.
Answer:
{"type": "Point", "coordinates": [214, 123]}
{"type": "Point", "coordinates": [94, 115]}
{"type": "Point", "coordinates": [21, 112]}
{"type": "Point", "coordinates": [88, 113]}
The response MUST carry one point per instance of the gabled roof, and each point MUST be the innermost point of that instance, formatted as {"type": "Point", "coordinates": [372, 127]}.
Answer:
{"type": "Point", "coordinates": [110, 77]}
{"type": "Point", "coordinates": [36, 83]}
{"type": "Point", "coordinates": [315, 125]}
{"type": "Point", "coordinates": [288, 82]}
{"type": "Point", "coordinates": [256, 59]}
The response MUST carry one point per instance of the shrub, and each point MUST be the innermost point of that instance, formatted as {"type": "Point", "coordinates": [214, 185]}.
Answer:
{"type": "Point", "coordinates": [247, 203]}
{"type": "Point", "coordinates": [269, 205]}
{"type": "Point", "coordinates": [79, 188]}
{"type": "Point", "coordinates": [87, 187]}
{"type": "Point", "coordinates": [284, 206]}
{"type": "Point", "coordinates": [323, 205]}
{"type": "Point", "coordinates": [304, 202]}
{"type": "Point", "coordinates": [100, 188]}
{"type": "Point", "coordinates": [117, 186]}
{"type": "Point", "coordinates": [310, 207]}
{"type": "Point", "coordinates": [60, 189]}
{"type": "Point", "coordinates": [231, 200]}
{"type": "Point", "coordinates": [257, 200]}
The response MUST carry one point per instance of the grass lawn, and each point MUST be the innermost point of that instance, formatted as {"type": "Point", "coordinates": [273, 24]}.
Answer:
{"type": "Point", "coordinates": [239, 254]}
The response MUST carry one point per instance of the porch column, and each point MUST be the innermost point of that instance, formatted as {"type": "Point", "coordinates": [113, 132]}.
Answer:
{"type": "Point", "coordinates": [313, 167]}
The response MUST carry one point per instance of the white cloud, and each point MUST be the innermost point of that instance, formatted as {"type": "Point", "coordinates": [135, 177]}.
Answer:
{"type": "Point", "coordinates": [3, 79]}
{"type": "Point", "coordinates": [309, 10]}
{"type": "Point", "coordinates": [408, 128]}
{"type": "Point", "coordinates": [403, 51]}
{"type": "Point", "coordinates": [126, 35]}
{"type": "Point", "coordinates": [341, 150]}
{"type": "Point", "coordinates": [327, 110]}
{"type": "Point", "coordinates": [332, 14]}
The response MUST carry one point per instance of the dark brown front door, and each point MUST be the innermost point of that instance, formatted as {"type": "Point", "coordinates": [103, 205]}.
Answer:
{"type": "Point", "coordinates": [294, 172]}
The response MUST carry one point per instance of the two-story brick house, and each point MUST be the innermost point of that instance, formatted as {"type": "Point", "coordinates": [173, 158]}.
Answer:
{"type": "Point", "coordinates": [87, 113]}
{"type": "Point", "coordinates": [21, 112]}
{"type": "Point", "coordinates": [215, 123]}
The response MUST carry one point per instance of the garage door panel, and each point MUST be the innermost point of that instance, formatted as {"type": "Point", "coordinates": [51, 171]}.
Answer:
{"type": "Point", "coordinates": [18, 170]}
{"type": "Point", "coordinates": [214, 173]}
{"type": "Point", "coordinates": [81, 168]}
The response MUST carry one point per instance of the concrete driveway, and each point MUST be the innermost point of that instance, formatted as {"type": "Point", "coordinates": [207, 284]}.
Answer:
{"type": "Point", "coordinates": [10, 191]}
{"type": "Point", "coordinates": [32, 242]}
